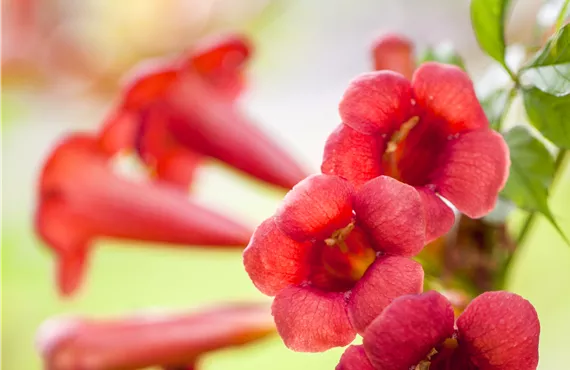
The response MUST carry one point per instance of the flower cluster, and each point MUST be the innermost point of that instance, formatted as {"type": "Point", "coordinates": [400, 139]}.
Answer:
{"type": "Point", "coordinates": [336, 254]}
{"type": "Point", "coordinates": [172, 114]}
{"type": "Point", "coordinates": [413, 147]}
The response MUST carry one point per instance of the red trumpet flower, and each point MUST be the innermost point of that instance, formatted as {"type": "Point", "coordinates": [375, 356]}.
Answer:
{"type": "Point", "coordinates": [334, 257]}
{"type": "Point", "coordinates": [497, 331]}
{"type": "Point", "coordinates": [173, 341]}
{"type": "Point", "coordinates": [430, 133]}
{"type": "Point", "coordinates": [199, 92]}
{"type": "Point", "coordinates": [81, 199]}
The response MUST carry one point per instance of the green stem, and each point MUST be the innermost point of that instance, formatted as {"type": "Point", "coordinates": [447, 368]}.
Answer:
{"type": "Point", "coordinates": [562, 15]}
{"type": "Point", "coordinates": [508, 103]}
{"type": "Point", "coordinates": [512, 74]}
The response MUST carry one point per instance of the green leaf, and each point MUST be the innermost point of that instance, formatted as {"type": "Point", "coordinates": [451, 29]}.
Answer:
{"type": "Point", "coordinates": [443, 53]}
{"type": "Point", "coordinates": [531, 174]}
{"type": "Point", "coordinates": [549, 69]}
{"type": "Point", "coordinates": [488, 20]}
{"type": "Point", "coordinates": [550, 114]}
{"type": "Point", "coordinates": [494, 104]}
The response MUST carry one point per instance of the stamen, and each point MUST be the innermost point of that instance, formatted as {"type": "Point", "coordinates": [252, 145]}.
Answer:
{"type": "Point", "coordinates": [339, 236]}
{"type": "Point", "coordinates": [392, 145]}
{"type": "Point", "coordinates": [401, 134]}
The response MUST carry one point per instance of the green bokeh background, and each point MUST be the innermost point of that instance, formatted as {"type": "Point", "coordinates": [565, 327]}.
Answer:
{"type": "Point", "coordinates": [123, 277]}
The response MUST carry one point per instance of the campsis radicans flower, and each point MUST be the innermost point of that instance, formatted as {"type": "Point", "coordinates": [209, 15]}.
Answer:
{"type": "Point", "coordinates": [172, 341]}
{"type": "Point", "coordinates": [334, 257]}
{"type": "Point", "coordinates": [206, 82]}
{"type": "Point", "coordinates": [82, 199]}
{"type": "Point", "coordinates": [497, 331]}
{"type": "Point", "coordinates": [430, 133]}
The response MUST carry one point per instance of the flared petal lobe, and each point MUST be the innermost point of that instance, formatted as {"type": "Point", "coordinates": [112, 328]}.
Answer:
{"type": "Point", "coordinates": [354, 358]}
{"type": "Point", "coordinates": [474, 168]}
{"type": "Point", "coordinates": [352, 155]}
{"type": "Point", "coordinates": [439, 216]}
{"type": "Point", "coordinates": [316, 207]}
{"type": "Point", "coordinates": [407, 330]}
{"type": "Point", "coordinates": [394, 52]}
{"type": "Point", "coordinates": [447, 97]}
{"type": "Point", "coordinates": [221, 62]}
{"type": "Point", "coordinates": [388, 278]}
{"type": "Point", "coordinates": [310, 320]}
{"type": "Point", "coordinates": [392, 213]}
{"type": "Point", "coordinates": [500, 331]}
{"type": "Point", "coordinates": [153, 340]}
{"type": "Point", "coordinates": [377, 103]}
{"type": "Point", "coordinates": [274, 261]}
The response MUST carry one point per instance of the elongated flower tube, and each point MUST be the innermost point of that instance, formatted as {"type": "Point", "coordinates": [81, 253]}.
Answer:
{"type": "Point", "coordinates": [82, 199]}
{"type": "Point", "coordinates": [172, 341]}
{"type": "Point", "coordinates": [213, 126]}
{"type": "Point", "coordinates": [218, 130]}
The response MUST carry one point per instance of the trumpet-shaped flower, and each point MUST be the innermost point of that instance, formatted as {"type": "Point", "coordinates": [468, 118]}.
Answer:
{"type": "Point", "coordinates": [430, 133]}
{"type": "Point", "coordinates": [497, 331]}
{"type": "Point", "coordinates": [205, 82]}
{"type": "Point", "coordinates": [334, 257]}
{"type": "Point", "coordinates": [82, 199]}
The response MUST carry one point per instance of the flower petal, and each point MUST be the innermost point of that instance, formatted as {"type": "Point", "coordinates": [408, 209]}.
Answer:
{"type": "Point", "coordinates": [474, 169]}
{"type": "Point", "coordinates": [221, 62]}
{"type": "Point", "coordinates": [500, 331]}
{"type": "Point", "coordinates": [439, 217]}
{"type": "Point", "coordinates": [446, 94]}
{"type": "Point", "coordinates": [273, 261]}
{"type": "Point", "coordinates": [354, 358]}
{"type": "Point", "coordinates": [392, 213]}
{"type": "Point", "coordinates": [118, 132]}
{"type": "Point", "coordinates": [407, 330]}
{"type": "Point", "coordinates": [148, 81]}
{"type": "Point", "coordinates": [386, 279]}
{"type": "Point", "coordinates": [316, 207]}
{"type": "Point", "coordinates": [311, 320]}
{"type": "Point", "coordinates": [377, 102]}
{"type": "Point", "coordinates": [352, 155]}
{"type": "Point", "coordinates": [394, 52]}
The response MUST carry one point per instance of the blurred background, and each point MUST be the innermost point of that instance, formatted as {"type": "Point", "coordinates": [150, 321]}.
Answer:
{"type": "Point", "coordinates": [62, 62]}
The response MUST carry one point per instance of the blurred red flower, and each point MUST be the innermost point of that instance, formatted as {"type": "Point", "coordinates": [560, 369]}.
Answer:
{"type": "Point", "coordinates": [175, 112]}
{"type": "Point", "coordinates": [497, 331]}
{"type": "Point", "coordinates": [81, 199]}
{"type": "Point", "coordinates": [334, 257]}
{"type": "Point", "coordinates": [174, 341]}
{"type": "Point", "coordinates": [430, 133]}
